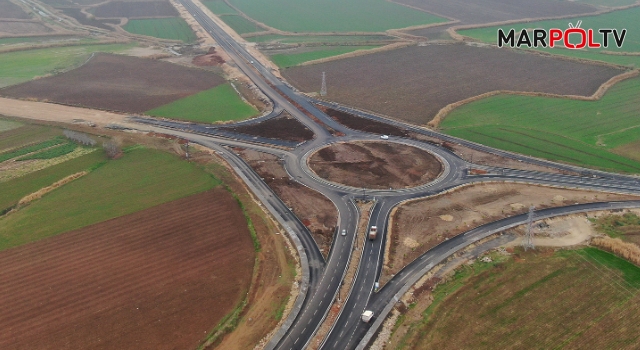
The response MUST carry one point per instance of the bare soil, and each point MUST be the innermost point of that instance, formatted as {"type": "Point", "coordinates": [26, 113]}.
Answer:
{"type": "Point", "coordinates": [367, 125]}
{"type": "Point", "coordinates": [118, 83]}
{"type": "Point", "coordinates": [421, 225]}
{"type": "Point", "coordinates": [380, 165]}
{"type": "Point", "coordinates": [284, 127]}
{"type": "Point", "coordinates": [137, 9]}
{"type": "Point", "coordinates": [211, 58]}
{"type": "Point", "coordinates": [10, 10]}
{"type": "Point", "coordinates": [22, 28]}
{"type": "Point", "coordinates": [315, 211]}
{"type": "Point", "coordinates": [84, 20]}
{"type": "Point", "coordinates": [488, 11]}
{"type": "Point", "coordinates": [161, 278]}
{"type": "Point", "coordinates": [414, 83]}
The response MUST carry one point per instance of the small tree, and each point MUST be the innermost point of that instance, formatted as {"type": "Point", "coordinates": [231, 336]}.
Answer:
{"type": "Point", "coordinates": [79, 138]}
{"type": "Point", "coordinates": [111, 148]}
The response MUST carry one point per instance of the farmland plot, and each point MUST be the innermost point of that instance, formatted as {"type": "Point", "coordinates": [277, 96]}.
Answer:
{"type": "Point", "coordinates": [572, 299]}
{"type": "Point", "coordinates": [10, 10]}
{"type": "Point", "coordinates": [138, 9]}
{"type": "Point", "coordinates": [414, 83]}
{"type": "Point", "coordinates": [121, 83]}
{"type": "Point", "coordinates": [161, 278]}
{"type": "Point", "coordinates": [173, 28]}
{"type": "Point", "coordinates": [488, 11]}
{"type": "Point", "coordinates": [334, 15]}
{"type": "Point", "coordinates": [583, 132]}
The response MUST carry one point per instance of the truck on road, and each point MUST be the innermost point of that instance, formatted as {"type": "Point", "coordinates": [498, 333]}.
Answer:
{"type": "Point", "coordinates": [373, 233]}
{"type": "Point", "coordinates": [367, 316]}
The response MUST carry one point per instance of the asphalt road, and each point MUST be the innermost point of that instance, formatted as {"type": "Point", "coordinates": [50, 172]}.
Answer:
{"type": "Point", "coordinates": [324, 277]}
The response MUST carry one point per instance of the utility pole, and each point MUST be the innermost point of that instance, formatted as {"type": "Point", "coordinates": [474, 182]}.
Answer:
{"type": "Point", "coordinates": [323, 89]}
{"type": "Point", "coordinates": [527, 243]}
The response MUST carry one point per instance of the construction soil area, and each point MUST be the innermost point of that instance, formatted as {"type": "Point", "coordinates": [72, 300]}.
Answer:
{"type": "Point", "coordinates": [420, 225]}
{"type": "Point", "coordinates": [118, 83]}
{"type": "Point", "coordinates": [415, 82]}
{"type": "Point", "coordinates": [367, 125]}
{"type": "Point", "coordinates": [161, 278]}
{"type": "Point", "coordinates": [136, 9]}
{"type": "Point", "coordinates": [283, 127]}
{"type": "Point", "coordinates": [315, 211]}
{"type": "Point", "coordinates": [376, 165]}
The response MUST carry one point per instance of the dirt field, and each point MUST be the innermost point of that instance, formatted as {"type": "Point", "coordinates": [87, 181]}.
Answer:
{"type": "Point", "coordinates": [211, 58]}
{"type": "Point", "coordinates": [284, 127]}
{"type": "Point", "coordinates": [10, 10]}
{"type": "Point", "coordinates": [118, 83]}
{"type": "Point", "coordinates": [82, 19]}
{"type": "Point", "coordinates": [150, 280]}
{"type": "Point", "coordinates": [22, 28]}
{"type": "Point", "coordinates": [362, 124]}
{"type": "Point", "coordinates": [375, 165]}
{"type": "Point", "coordinates": [314, 210]}
{"type": "Point", "coordinates": [419, 226]}
{"type": "Point", "coordinates": [487, 11]}
{"type": "Point", "coordinates": [141, 9]}
{"type": "Point", "coordinates": [414, 83]}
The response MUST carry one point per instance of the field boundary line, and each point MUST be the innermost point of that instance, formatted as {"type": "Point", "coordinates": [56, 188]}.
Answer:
{"type": "Point", "coordinates": [597, 95]}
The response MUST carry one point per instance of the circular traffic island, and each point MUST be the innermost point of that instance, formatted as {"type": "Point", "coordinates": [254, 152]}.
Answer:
{"type": "Point", "coordinates": [375, 165]}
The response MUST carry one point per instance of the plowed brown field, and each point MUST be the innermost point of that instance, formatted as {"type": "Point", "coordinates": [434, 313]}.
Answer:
{"type": "Point", "coordinates": [11, 10]}
{"type": "Point", "coordinates": [414, 83]}
{"type": "Point", "coordinates": [142, 9]}
{"type": "Point", "coordinates": [118, 83]}
{"type": "Point", "coordinates": [157, 279]}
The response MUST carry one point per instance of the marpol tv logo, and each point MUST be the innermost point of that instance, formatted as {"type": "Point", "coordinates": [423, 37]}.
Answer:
{"type": "Point", "coordinates": [572, 38]}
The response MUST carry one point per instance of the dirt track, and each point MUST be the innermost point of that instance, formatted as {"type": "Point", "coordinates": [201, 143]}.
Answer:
{"type": "Point", "coordinates": [118, 83]}
{"type": "Point", "coordinates": [157, 279]}
{"type": "Point", "coordinates": [379, 165]}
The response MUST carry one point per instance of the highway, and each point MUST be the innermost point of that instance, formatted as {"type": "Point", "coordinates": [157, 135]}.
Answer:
{"type": "Point", "coordinates": [323, 278]}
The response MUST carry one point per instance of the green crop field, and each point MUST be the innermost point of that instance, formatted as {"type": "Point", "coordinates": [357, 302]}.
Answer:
{"type": "Point", "coordinates": [572, 299]}
{"type": "Point", "coordinates": [6, 125]}
{"type": "Point", "coordinates": [622, 19]}
{"type": "Point", "coordinates": [25, 135]}
{"type": "Point", "coordinates": [221, 103]}
{"type": "Point", "coordinates": [20, 66]}
{"type": "Point", "coordinates": [240, 24]}
{"type": "Point", "coordinates": [290, 60]}
{"type": "Point", "coordinates": [142, 178]}
{"type": "Point", "coordinates": [334, 15]}
{"type": "Point", "coordinates": [29, 149]}
{"type": "Point", "coordinates": [328, 39]}
{"type": "Point", "coordinates": [13, 190]}
{"type": "Point", "coordinates": [174, 28]}
{"type": "Point", "coordinates": [579, 132]}
{"type": "Point", "coordinates": [53, 152]}
{"type": "Point", "coordinates": [219, 7]}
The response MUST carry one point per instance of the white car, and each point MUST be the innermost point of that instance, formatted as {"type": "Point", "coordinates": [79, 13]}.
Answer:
{"type": "Point", "coordinates": [384, 137]}
{"type": "Point", "coordinates": [344, 232]}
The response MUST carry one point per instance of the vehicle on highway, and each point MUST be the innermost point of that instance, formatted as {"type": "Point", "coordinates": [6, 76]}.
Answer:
{"type": "Point", "coordinates": [367, 316]}
{"type": "Point", "coordinates": [373, 233]}
{"type": "Point", "coordinates": [344, 232]}
{"type": "Point", "coordinates": [384, 137]}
